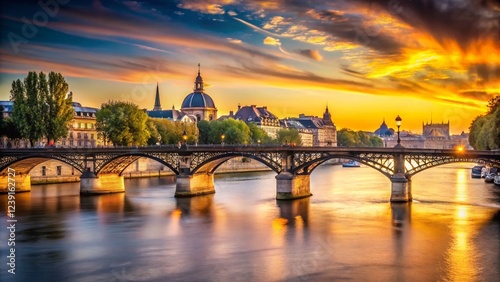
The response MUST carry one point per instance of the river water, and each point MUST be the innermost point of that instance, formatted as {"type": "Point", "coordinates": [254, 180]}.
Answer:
{"type": "Point", "coordinates": [348, 230]}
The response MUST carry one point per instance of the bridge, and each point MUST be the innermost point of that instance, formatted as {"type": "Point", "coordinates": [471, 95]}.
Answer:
{"type": "Point", "coordinates": [194, 166]}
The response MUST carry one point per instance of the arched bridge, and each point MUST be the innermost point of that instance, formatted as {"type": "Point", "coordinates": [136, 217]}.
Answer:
{"type": "Point", "coordinates": [194, 165]}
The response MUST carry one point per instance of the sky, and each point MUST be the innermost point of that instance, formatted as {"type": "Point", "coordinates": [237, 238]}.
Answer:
{"type": "Point", "coordinates": [367, 60]}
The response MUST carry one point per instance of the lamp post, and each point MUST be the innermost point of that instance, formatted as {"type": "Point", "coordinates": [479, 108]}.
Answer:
{"type": "Point", "coordinates": [258, 142]}
{"type": "Point", "coordinates": [398, 124]}
{"type": "Point", "coordinates": [222, 138]}
{"type": "Point", "coordinates": [184, 138]}
{"type": "Point", "coordinates": [159, 139]}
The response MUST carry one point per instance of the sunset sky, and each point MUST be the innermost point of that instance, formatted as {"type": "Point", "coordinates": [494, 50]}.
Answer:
{"type": "Point", "coordinates": [366, 60]}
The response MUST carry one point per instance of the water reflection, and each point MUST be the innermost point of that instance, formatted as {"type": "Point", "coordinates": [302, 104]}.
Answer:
{"type": "Point", "coordinates": [346, 231]}
{"type": "Point", "coordinates": [296, 213]}
{"type": "Point", "coordinates": [194, 206]}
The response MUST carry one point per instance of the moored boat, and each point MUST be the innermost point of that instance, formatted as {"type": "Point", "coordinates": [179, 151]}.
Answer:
{"type": "Point", "coordinates": [476, 171]}
{"type": "Point", "coordinates": [497, 180]}
{"type": "Point", "coordinates": [351, 164]}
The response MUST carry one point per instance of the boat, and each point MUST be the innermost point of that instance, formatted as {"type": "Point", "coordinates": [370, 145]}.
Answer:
{"type": "Point", "coordinates": [351, 164]}
{"type": "Point", "coordinates": [476, 171]}
{"type": "Point", "coordinates": [497, 180]}
{"type": "Point", "coordinates": [490, 177]}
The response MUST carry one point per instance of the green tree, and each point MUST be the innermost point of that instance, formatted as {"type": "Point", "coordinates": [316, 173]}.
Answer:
{"type": "Point", "coordinates": [484, 131]}
{"type": "Point", "coordinates": [29, 102]}
{"type": "Point", "coordinates": [122, 123]}
{"type": "Point", "coordinates": [258, 134]}
{"type": "Point", "coordinates": [10, 129]}
{"type": "Point", "coordinates": [171, 132]}
{"type": "Point", "coordinates": [289, 137]}
{"type": "Point", "coordinates": [58, 107]}
{"type": "Point", "coordinates": [235, 132]}
{"type": "Point", "coordinates": [346, 138]}
{"type": "Point", "coordinates": [204, 129]}
{"type": "Point", "coordinates": [349, 138]}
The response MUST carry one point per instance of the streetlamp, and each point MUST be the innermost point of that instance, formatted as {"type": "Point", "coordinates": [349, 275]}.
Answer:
{"type": "Point", "coordinates": [184, 136]}
{"type": "Point", "coordinates": [398, 123]}
{"type": "Point", "coordinates": [258, 142]}
{"type": "Point", "coordinates": [222, 137]}
{"type": "Point", "coordinates": [159, 139]}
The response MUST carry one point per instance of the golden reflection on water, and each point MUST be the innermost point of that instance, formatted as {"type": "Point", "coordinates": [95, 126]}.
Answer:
{"type": "Point", "coordinates": [462, 254]}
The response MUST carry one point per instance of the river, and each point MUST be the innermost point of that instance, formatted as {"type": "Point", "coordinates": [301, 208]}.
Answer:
{"type": "Point", "coordinates": [348, 230]}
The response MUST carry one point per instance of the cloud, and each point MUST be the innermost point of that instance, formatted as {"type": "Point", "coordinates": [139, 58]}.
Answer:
{"type": "Point", "coordinates": [205, 6]}
{"type": "Point", "coordinates": [271, 41]}
{"type": "Point", "coordinates": [312, 54]}
{"type": "Point", "coordinates": [234, 41]}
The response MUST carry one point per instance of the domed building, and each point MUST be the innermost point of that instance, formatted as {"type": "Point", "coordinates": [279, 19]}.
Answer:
{"type": "Point", "coordinates": [198, 103]}
{"type": "Point", "coordinates": [384, 130]}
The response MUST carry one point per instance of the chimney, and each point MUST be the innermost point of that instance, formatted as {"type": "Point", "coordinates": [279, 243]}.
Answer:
{"type": "Point", "coordinates": [231, 114]}
{"type": "Point", "coordinates": [239, 106]}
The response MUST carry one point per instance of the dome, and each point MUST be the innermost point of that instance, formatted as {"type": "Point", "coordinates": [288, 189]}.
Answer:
{"type": "Point", "coordinates": [198, 100]}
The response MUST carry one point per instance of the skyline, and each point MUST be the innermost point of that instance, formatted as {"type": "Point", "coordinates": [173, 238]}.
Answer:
{"type": "Point", "coordinates": [366, 60]}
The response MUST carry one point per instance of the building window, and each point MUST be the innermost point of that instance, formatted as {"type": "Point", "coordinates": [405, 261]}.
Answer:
{"type": "Point", "coordinates": [71, 143]}
{"type": "Point", "coordinates": [44, 171]}
{"type": "Point", "coordinates": [71, 135]}
{"type": "Point", "coordinates": [79, 135]}
{"type": "Point", "coordinates": [82, 125]}
{"type": "Point", "coordinates": [85, 135]}
{"type": "Point", "coordinates": [92, 136]}
{"type": "Point", "coordinates": [59, 169]}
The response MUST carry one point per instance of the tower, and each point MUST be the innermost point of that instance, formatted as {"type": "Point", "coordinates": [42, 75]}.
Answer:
{"type": "Point", "coordinates": [157, 106]}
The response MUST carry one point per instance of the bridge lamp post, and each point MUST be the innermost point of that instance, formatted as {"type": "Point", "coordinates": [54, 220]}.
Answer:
{"type": "Point", "coordinates": [159, 139]}
{"type": "Point", "coordinates": [184, 138]}
{"type": "Point", "coordinates": [222, 138]}
{"type": "Point", "coordinates": [398, 124]}
{"type": "Point", "coordinates": [258, 142]}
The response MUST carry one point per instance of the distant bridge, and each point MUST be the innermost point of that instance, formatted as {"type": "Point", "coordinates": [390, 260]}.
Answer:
{"type": "Point", "coordinates": [194, 166]}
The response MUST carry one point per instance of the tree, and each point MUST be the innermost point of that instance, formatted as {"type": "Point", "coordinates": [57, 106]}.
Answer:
{"type": "Point", "coordinates": [259, 136]}
{"type": "Point", "coordinates": [235, 132]}
{"type": "Point", "coordinates": [122, 123]}
{"type": "Point", "coordinates": [171, 132]}
{"type": "Point", "coordinates": [289, 137]}
{"type": "Point", "coordinates": [59, 107]}
{"type": "Point", "coordinates": [493, 104]}
{"type": "Point", "coordinates": [28, 115]}
{"type": "Point", "coordinates": [42, 107]}
{"type": "Point", "coordinates": [204, 129]}
{"type": "Point", "coordinates": [350, 138]}
{"type": "Point", "coordinates": [484, 131]}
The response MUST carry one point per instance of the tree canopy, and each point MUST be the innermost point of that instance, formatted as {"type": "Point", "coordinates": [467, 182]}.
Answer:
{"type": "Point", "coordinates": [350, 138]}
{"type": "Point", "coordinates": [165, 131]}
{"type": "Point", "coordinates": [42, 106]}
{"type": "Point", "coordinates": [484, 131]}
{"type": "Point", "coordinates": [123, 124]}
{"type": "Point", "coordinates": [288, 137]}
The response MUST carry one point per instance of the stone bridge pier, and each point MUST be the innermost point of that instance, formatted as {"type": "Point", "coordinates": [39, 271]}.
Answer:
{"type": "Point", "coordinates": [15, 182]}
{"type": "Point", "coordinates": [92, 184]}
{"type": "Point", "coordinates": [189, 184]}
{"type": "Point", "coordinates": [400, 181]}
{"type": "Point", "coordinates": [289, 184]}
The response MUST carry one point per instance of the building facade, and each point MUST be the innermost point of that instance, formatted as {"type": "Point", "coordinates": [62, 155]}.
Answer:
{"type": "Point", "coordinates": [260, 116]}
{"type": "Point", "coordinates": [323, 129]}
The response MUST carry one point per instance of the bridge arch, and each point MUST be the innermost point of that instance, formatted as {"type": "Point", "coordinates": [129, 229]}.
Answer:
{"type": "Point", "coordinates": [118, 163]}
{"type": "Point", "coordinates": [385, 167]}
{"type": "Point", "coordinates": [413, 167]}
{"type": "Point", "coordinates": [24, 164]}
{"type": "Point", "coordinates": [211, 164]}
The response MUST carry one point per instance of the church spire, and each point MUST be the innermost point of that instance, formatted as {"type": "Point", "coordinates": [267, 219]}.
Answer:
{"type": "Point", "coordinates": [198, 83]}
{"type": "Point", "coordinates": [157, 106]}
